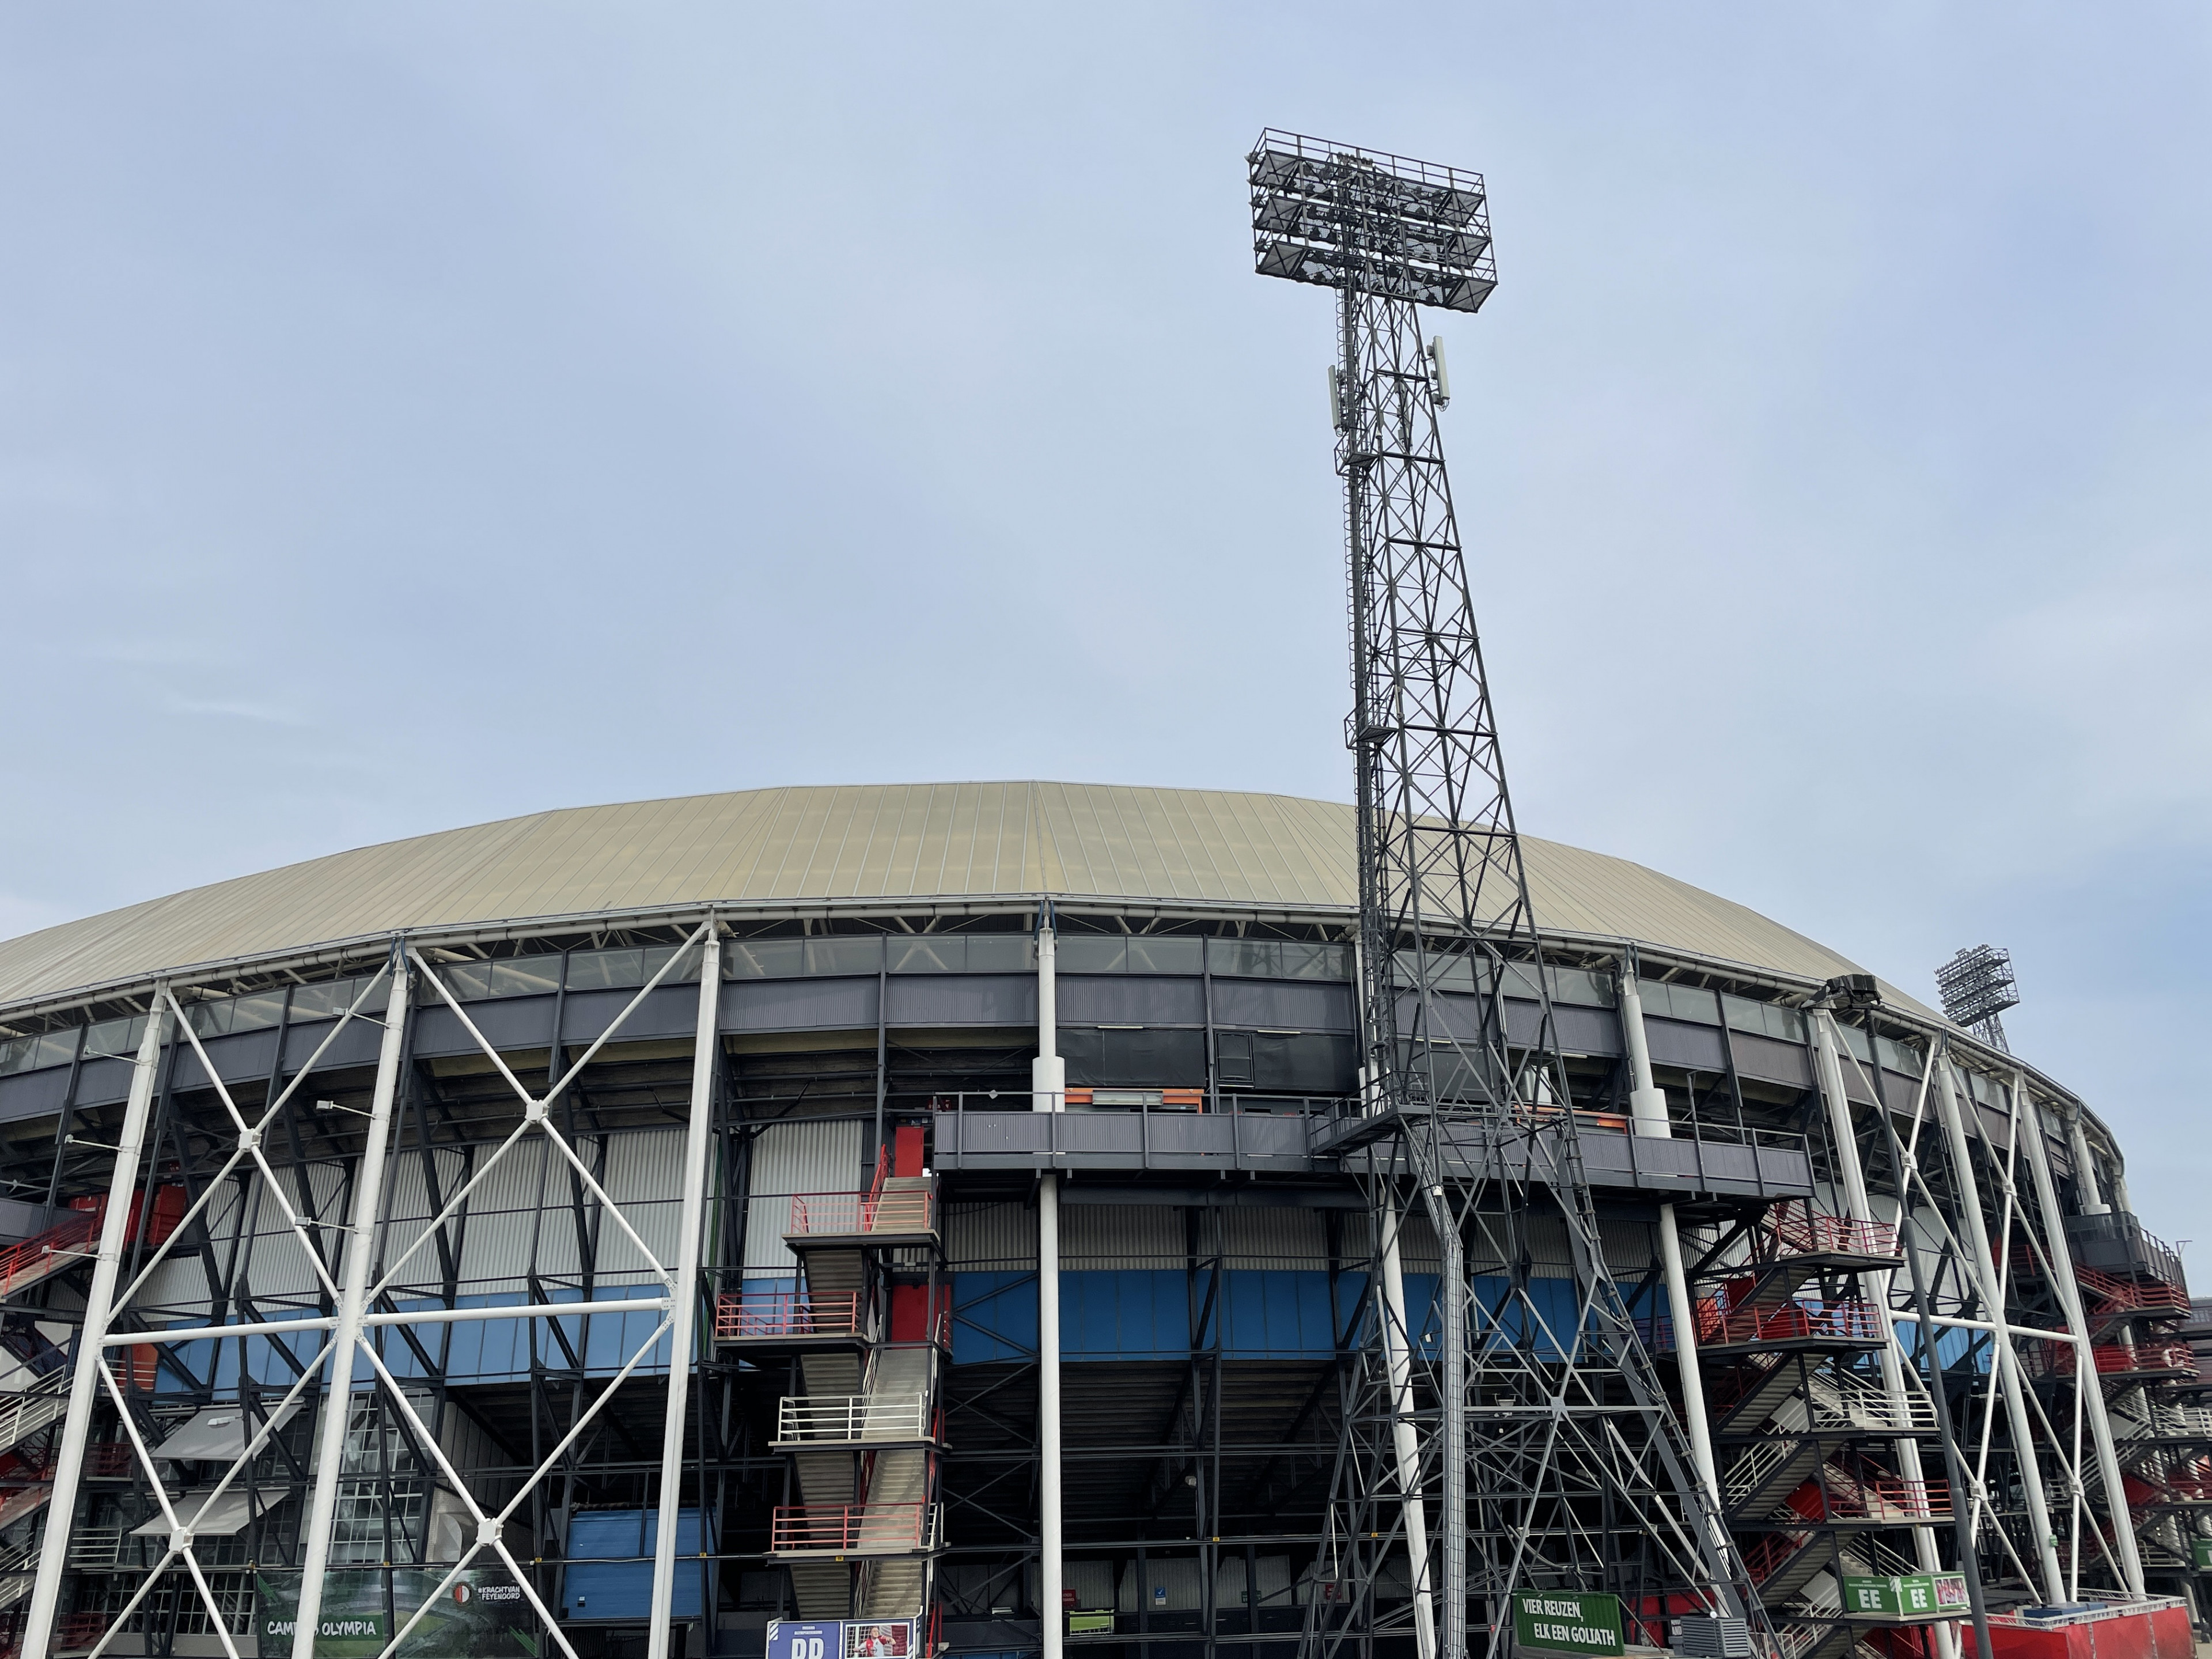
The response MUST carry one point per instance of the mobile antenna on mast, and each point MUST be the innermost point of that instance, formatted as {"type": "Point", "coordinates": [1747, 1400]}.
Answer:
{"type": "Point", "coordinates": [1527, 1410]}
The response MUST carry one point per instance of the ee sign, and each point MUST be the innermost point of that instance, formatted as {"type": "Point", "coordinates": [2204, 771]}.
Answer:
{"type": "Point", "coordinates": [1920, 1595]}
{"type": "Point", "coordinates": [1566, 1621]}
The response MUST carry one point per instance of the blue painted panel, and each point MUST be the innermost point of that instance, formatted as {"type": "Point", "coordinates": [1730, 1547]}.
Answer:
{"type": "Point", "coordinates": [598, 1587]}
{"type": "Point", "coordinates": [262, 1358]}
{"type": "Point", "coordinates": [1277, 1314]}
{"type": "Point", "coordinates": [1128, 1314]}
{"type": "Point", "coordinates": [994, 1316]}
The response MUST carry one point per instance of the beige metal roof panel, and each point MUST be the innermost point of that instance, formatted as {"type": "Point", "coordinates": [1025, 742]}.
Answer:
{"type": "Point", "coordinates": [880, 841]}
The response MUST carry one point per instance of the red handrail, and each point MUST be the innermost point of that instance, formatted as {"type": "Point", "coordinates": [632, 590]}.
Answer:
{"type": "Point", "coordinates": [739, 1318]}
{"type": "Point", "coordinates": [1851, 1319]}
{"type": "Point", "coordinates": [1766, 1557]}
{"type": "Point", "coordinates": [836, 1214]}
{"type": "Point", "coordinates": [2125, 1295]}
{"type": "Point", "coordinates": [28, 1258]}
{"type": "Point", "coordinates": [848, 1529]}
{"type": "Point", "coordinates": [1801, 1229]}
{"type": "Point", "coordinates": [1931, 1498]}
{"type": "Point", "coordinates": [2115, 1359]}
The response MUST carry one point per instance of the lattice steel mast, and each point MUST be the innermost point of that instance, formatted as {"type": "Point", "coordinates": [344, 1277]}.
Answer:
{"type": "Point", "coordinates": [1574, 1476]}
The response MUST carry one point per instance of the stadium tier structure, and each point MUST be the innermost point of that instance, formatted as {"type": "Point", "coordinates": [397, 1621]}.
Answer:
{"type": "Point", "coordinates": [673, 1168]}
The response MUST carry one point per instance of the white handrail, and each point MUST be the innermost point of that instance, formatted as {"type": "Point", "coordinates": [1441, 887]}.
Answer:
{"type": "Point", "coordinates": [850, 1417]}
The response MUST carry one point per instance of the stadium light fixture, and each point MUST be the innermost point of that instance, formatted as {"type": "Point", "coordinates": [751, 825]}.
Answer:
{"type": "Point", "coordinates": [1365, 222]}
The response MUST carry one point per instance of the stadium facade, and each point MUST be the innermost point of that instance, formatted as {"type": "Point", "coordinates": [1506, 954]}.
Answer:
{"type": "Point", "coordinates": [677, 1167]}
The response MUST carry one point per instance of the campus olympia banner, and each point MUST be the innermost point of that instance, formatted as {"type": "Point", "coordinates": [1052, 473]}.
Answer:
{"type": "Point", "coordinates": [481, 1615]}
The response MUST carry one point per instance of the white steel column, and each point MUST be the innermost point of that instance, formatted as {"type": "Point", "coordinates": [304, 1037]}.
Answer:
{"type": "Point", "coordinates": [84, 1385]}
{"type": "Point", "coordinates": [2085, 1185]}
{"type": "Point", "coordinates": [683, 1293]}
{"type": "Point", "coordinates": [1398, 1361]}
{"type": "Point", "coordinates": [1828, 1069]}
{"type": "Point", "coordinates": [1647, 1106]}
{"type": "Point", "coordinates": [1049, 1081]}
{"type": "Point", "coordinates": [2030, 1117]}
{"type": "Point", "coordinates": [337, 1398]}
{"type": "Point", "coordinates": [2008, 1358]}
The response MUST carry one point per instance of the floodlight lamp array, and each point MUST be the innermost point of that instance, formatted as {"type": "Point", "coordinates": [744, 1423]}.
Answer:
{"type": "Point", "coordinates": [1976, 985]}
{"type": "Point", "coordinates": [1367, 222]}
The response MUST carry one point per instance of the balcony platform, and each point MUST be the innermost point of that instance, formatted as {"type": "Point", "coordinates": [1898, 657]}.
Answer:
{"type": "Point", "coordinates": [1318, 1143]}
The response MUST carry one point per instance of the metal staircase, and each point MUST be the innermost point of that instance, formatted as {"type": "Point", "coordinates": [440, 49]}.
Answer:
{"type": "Point", "coordinates": [866, 1333]}
{"type": "Point", "coordinates": [2136, 1308]}
{"type": "Point", "coordinates": [1808, 1431]}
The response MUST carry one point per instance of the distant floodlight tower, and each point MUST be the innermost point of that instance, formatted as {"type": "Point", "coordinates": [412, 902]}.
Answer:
{"type": "Point", "coordinates": [1976, 986]}
{"type": "Point", "coordinates": [1555, 1462]}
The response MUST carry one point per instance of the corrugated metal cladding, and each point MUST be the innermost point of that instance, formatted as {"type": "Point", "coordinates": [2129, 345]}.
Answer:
{"type": "Point", "coordinates": [1629, 1245]}
{"type": "Point", "coordinates": [788, 1159]}
{"type": "Point", "coordinates": [522, 1204]}
{"type": "Point", "coordinates": [1173, 1583]}
{"type": "Point", "coordinates": [1103, 1236]}
{"type": "Point", "coordinates": [409, 1211]}
{"type": "Point", "coordinates": [272, 1263]}
{"type": "Point", "coordinates": [990, 1237]}
{"type": "Point", "coordinates": [1274, 1238]}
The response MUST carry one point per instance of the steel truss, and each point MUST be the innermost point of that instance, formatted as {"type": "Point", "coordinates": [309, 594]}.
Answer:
{"type": "Point", "coordinates": [368, 1310]}
{"type": "Point", "coordinates": [1537, 1423]}
{"type": "Point", "coordinates": [2028, 1434]}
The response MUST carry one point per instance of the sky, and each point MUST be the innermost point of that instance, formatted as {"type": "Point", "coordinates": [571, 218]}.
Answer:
{"type": "Point", "coordinates": [413, 415]}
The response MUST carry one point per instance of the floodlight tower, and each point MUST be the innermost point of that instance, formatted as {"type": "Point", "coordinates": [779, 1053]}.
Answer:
{"type": "Point", "coordinates": [1976, 986]}
{"type": "Point", "coordinates": [1540, 1430]}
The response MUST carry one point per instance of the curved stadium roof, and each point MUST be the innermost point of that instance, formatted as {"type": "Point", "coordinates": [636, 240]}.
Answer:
{"type": "Point", "coordinates": [879, 842]}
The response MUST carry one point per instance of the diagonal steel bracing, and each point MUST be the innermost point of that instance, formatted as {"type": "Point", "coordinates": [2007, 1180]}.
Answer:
{"type": "Point", "coordinates": [359, 1271]}
{"type": "Point", "coordinates": [1525, 1404]}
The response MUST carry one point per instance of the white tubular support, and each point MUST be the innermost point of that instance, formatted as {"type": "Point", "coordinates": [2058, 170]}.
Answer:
{"type": "Point", "coordinates": [1049, 1079]}
{"type": "Point", "coordinates": [99, 1305]}
{"type": "Point", "coordinates": [1398, 1360]}
{"type": "Point", "coordinates": [683, 1292]}
{"type": "Point", "coordinates": [2069, 1298]}
{"type": "Point", "coordinates": [1646, 1105]}
{"type": "Point", "coordinates": [1828, 1071]}
{"type": "Point", "coordinates": [337, 1397]}
{"type": "Point", "coordinates": [1647, 1102]}
{"type": "Point", "coordinates": [2009, 1384]}
{"type": "Point", "coordinates": [2086, 1187]}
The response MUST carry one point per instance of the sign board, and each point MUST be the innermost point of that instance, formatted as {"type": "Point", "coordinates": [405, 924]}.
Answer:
{"type": "Point", "coordinates": [1919, 1596]}
{"type": "Point", "coordinates": [1090, 1624]}
{"type": "Point", "coordinates": [855, 1638]}
{"type": "Point", "coordinates": [1566, 1621]}
{"type": "Point", "coordinates": [2200, 1552]}
{"type": "Point", "coordinates": [483, 1614]}
{"type": "Point", "coordinates": [881, 1638]}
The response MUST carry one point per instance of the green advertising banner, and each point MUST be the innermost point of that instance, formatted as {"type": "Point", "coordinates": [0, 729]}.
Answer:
{"type": "Point", "coordinates": [1921, 1595]}
{"type": "Point", "coordinates": [1566, 1621]}
{"type": "Point", "coordinates": [481, 1615]}
{"type": "Point", "coordinates": [2200, 1552]}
